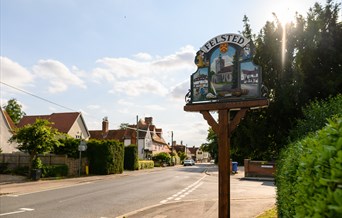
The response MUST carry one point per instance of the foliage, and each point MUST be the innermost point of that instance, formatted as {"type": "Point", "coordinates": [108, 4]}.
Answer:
{"type": "Point", "coordinates": [13, 109]}
{"type": "Point", "coordinates": [315, 116]}
{"type": "Point", "coordinates": [4, 168]}
{"type": "Point", "coordinates": [105, 157]}
{"type": "Point", "coordinates": [123, 125]}
{"type": "Point", "coordinates": [146, 164]}
{"type": "Point", "coordinates": [37, 163]}
{"type": "Point", "coordinates": [162, 158]}
{"type": "Point", "coordinates": [37, 138]}
{"type": "Point", "coordinates": [212, 145]}
{"type": "Point", "coordinates": [181, 155]}
{"type": "Point", "coordinates": [271, 213]}
{"type": "Point", "coordinates": [131, 160]}
{"type": "Point", "coordinates": [69, 147]}
{"type": "Point", "coordinates": [309, 175]}
{"type": "Point", "coordinates": [310, 69]}
{"type": "Point", "coordinates": [60, 170]}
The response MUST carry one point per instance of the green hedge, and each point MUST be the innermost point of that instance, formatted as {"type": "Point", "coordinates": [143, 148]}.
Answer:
{"type": "Point", "coordinates": [309, 175]}
{"type": "Point", "coordinates": [55, 170]}
{"type": "Point", "coordinates": [131, 158]}
{"type": "Point", "coordinates": [146, 164]}
{"type": "Point", "coordinates": [105, 157]}
{"type": "Point", "coordinates": [161, 158]}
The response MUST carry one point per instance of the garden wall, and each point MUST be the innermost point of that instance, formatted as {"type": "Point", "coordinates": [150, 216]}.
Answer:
{"type": "Point", "coordinates": [259, 168]}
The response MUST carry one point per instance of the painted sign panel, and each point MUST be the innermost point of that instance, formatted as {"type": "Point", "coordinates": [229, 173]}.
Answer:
{"type": "Point", "coordinates": [225, 70]}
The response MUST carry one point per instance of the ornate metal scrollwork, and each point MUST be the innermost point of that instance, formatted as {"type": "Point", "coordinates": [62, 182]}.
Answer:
{"type": "Point", "coordinates": [188, 97]}
{"type": "Point", "coordinates": [264, 91]}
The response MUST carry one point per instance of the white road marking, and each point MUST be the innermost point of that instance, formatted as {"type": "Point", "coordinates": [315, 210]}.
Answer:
{"type": "Point", "coordinates": [21, 210]}
{"type": "Point", "coordinates": [181, 194]}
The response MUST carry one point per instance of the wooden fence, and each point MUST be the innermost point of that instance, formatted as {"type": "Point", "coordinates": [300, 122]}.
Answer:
{"type": "Point", "coordinates": [15, 160]}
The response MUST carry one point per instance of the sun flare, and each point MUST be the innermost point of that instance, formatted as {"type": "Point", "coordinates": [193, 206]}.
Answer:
{"type": "Point", "coordinates": [285, 11]}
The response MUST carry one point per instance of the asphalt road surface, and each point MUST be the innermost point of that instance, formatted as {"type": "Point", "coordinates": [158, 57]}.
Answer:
{"type": "Point", "coordinates": [115, 196]}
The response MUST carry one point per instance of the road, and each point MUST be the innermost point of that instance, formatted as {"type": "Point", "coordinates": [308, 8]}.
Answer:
{"type": "Point", "coordinates": [115, 196]}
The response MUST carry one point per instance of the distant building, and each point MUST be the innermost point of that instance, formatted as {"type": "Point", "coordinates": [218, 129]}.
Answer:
{"type": "Point", "coordinates": [148, 137]}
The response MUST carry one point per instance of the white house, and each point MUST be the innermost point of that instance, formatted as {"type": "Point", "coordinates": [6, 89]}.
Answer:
{"type": "Point", "coordinates": [6, 131]}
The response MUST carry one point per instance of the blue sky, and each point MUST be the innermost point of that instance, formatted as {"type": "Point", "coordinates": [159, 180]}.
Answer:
{"type": "Point", "coordinates": [119, 58]}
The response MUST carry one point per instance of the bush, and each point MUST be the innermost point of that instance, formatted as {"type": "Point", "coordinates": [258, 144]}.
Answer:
{"type": "Point", "coordinates": [24, 171]}
{"type": "Point", "coordinates": [161, 158]}
{"type": "Point", "coordinates": [4, 168]}
{"type": "Point", "coordinates": [131, 161]}
{"type": "Point", "coordinates": [316, 115]}
{"type": "Point", "coordinates": [55, 170]}
{"type": "Point", "coordinates": [105, 157]}
{"type": "Point", "coordinates": [309, 175]}
{"type": "Point", "coordinates": [69, 147]}
{"type": "Point", "coordinates": [146, 164]}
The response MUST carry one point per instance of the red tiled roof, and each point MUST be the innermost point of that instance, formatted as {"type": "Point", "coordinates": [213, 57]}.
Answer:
{"type": "Point", "coordinates": [111, 135]}
{"type": "Point", "coordinates": [61, 121]}
{"type": "Point", "coordinates": [9, 120]}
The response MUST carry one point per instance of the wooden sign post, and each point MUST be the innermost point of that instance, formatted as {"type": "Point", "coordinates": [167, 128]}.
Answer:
{"type": "Point", "coordinates": [223, 129]}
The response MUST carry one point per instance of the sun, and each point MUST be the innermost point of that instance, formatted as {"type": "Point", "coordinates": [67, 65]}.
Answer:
{"type": "Point", "coordinates": [285, 11]}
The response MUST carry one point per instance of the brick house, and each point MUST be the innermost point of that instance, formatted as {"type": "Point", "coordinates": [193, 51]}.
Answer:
{"type": "Point", "coordinates": [150, 140]}
{"type": "Point", "coordinates": [71, 123]}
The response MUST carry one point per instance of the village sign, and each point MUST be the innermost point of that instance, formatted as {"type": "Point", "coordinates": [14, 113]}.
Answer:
{"type": "Point", "coordinates": [225, 71]}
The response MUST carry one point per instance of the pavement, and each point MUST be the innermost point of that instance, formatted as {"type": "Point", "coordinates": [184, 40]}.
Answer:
{"type": "Point", "coordinates": [249, 197]}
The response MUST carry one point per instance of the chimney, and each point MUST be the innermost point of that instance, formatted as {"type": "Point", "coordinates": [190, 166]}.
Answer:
{"type": "Point", "coordinates": [148, 120]}
{"type": "Point", "coordinates": [105, 125]}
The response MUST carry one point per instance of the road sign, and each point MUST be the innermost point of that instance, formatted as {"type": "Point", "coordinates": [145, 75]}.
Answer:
{"type": "Point", "coordinates": [82, 146]}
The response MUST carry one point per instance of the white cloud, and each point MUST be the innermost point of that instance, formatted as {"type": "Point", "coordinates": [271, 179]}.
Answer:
{"type": "Point", "coordinates": [93, 107]}
{"type": "Point", "coordinates": [145, 74]}
{"type": "Point", "coordinates": [58, 75]}
{"type": "Point", "coordinates": [14, 74]}
{"type": "Point", "coordinates": [155, 107]}
{"type": "Point", "coordinates": [143, 56]}
{"type": "Point", "coordinates": [138, 87]}
{"type": "Point", "coordinates": [180, 90]}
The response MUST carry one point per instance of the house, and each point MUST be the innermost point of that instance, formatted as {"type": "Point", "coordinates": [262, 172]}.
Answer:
{"type": "Point", "coordinates": [71, 123]}
{"type": "Point", "coordinates": [7, 127]}
{"type": "Point", "coordinates": [148, 136]}
{"type": "Point", "coordinates": [106, 134]}
{"type": "Point", "coordinates": [181, 148]}
{"type": "Point", "coordinates": [202, 156]}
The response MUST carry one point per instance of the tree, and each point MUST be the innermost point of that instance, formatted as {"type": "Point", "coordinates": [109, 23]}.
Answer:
{"type": "Point", "coordinates": [212, 145]}
{"type": "Point", "coordinates": [123, 125]}
{"type": "Point", "coordinates": [14, 110]}
{"type": "Point", "coordinates": [37, 138]}
{"type": "Point", "coordinates": [308, 68]}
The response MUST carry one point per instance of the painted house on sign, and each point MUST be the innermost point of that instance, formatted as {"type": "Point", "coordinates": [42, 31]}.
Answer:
{"type": "Point", "coordinates": [225, 71]}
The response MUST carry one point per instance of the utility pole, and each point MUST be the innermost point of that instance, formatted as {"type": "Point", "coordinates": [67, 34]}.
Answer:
{"type": "Point", "coordinates": [171, 141]}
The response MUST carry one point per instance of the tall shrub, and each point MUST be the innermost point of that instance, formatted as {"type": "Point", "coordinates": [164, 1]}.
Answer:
{"type": "Point", "coordinates": [131, 161]}
{"type": "Point", "coordinates": [105, 157]}
{"type": "Point", "coordinates": [315, 116]}
{"type": "Point", "coordinates": [309, 176]}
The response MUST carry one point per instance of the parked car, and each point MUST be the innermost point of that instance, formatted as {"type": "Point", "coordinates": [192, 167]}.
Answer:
{"type": "Point", "coordinates": [189, 162]}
